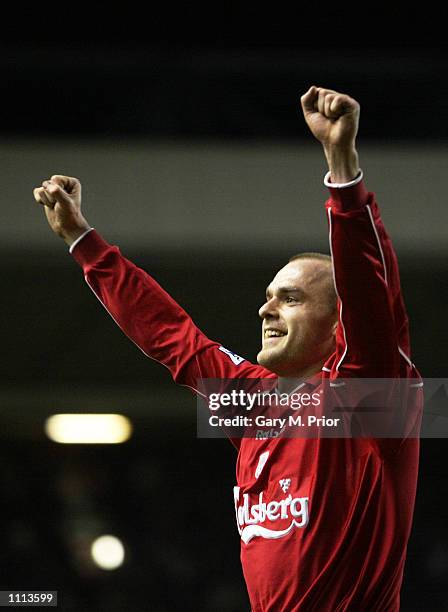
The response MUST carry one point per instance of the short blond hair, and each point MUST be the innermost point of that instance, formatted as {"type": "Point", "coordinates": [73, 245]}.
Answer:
{"type": "Point", "coordinates": [332, 297]}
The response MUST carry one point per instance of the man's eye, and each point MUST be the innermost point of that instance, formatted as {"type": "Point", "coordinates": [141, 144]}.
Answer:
{"type": "Point", "coordinates": [290, 299]}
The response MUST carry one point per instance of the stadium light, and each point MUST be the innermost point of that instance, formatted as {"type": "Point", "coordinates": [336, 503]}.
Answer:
{"type": "Point", "coordinates": [88, 428]}
{"type": "Point", "coordinates": [107, 552]}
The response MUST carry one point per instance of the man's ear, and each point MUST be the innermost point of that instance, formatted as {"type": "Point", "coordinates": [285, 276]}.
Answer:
{"type": "Point", "coordinates": [335, 326]}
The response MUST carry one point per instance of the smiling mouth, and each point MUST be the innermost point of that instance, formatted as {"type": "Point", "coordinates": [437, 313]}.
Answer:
{"type": "Point", "coordinates": [272, 335]}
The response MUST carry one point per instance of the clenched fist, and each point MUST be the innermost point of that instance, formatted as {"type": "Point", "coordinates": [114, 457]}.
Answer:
{"type": "Point", "coordinates": [61, 198]}
{"type": "Point", "coordinates": [333, 119]}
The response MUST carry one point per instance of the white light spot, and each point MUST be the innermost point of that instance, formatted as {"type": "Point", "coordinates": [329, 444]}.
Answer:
{"type": "Point", "coordinates": [108, 552]}
{"type": "Point", "coordinates": [88, 428]}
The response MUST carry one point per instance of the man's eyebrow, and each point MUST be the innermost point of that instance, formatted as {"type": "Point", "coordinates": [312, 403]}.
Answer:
{"type": "Point", "coordinates": [286, 290]}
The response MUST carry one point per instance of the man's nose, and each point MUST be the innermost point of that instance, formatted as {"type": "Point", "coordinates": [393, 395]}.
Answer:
{"type": "Point", "coordinates": [269, 309]}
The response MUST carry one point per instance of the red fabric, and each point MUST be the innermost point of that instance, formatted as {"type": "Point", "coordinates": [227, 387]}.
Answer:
{"type": "Point", "coordinates": [324, 522]}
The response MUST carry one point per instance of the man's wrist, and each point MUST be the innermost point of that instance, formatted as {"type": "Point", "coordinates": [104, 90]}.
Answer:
{"type": "Point", "coordinates": [331, 184]}
{"type": "Point", "coordinates": [78, 240]}
{"type": "Point", "coordinates": [74, 235]}
{"type": "Point", "coordinates": [343, 163]}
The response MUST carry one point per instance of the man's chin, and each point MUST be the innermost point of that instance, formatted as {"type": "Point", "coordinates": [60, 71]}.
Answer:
{"type": "Point", "coordinates": [268, 358]}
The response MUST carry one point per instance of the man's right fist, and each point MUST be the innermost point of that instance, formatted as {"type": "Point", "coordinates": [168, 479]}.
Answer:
{"type": "Point", "coordinates": [61, 197]}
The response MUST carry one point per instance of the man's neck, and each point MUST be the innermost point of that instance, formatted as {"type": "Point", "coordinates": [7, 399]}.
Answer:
{"type": "Point", "coordinates": [288, 384]}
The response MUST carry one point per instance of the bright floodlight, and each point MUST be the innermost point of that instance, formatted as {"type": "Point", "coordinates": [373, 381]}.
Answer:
{"type": "Point", "coordinates": [107, 552]}
{"type": "Point", "coordinates": [88, 428]}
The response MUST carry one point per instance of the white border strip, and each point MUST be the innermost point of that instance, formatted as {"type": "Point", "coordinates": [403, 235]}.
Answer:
{"type": "Point", "coordinates": [78, 240]}
{"type": "Point", "coordinates": [403, 354]}
{"type": "Point", "coordinates": [379, 243]}
{"type": "Point", "coordinates": [400, 350]}
{"type": "Point", "coordinates": [355, 181]}
{"type": "Point", "coordinates": [336, 289]}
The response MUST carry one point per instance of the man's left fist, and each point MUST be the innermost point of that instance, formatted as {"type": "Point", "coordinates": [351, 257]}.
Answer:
{"type": "Point", "coordinates": [332, 117]}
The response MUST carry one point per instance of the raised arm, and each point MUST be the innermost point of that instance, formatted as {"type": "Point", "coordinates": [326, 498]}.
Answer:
{"type": "Point", "coordinates": [372, 335]}
{"type": "Point", "coordinates": [333, 119]}
{"type": "Point", "coordinates": [143, 310]}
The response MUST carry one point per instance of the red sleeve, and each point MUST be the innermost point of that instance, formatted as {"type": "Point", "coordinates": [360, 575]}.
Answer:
{"type": "Point", "coordinates": [153, 320]}
{"type": "Point", "coordinates": [372, 336]}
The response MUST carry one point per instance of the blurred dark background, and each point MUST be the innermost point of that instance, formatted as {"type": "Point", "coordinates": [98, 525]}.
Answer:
{"type": "Point", "coordinates": [99, 95]}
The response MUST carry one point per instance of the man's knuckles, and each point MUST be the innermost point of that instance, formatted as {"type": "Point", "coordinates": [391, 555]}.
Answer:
{"type": "Point", "coordinates": [42, 197]}
{"type": "Point", "coordinates": [53, 189]}
{"type": "Point", "coordinates": [69, 183]}
{"type": "Point", "coordinates": [36, 193]}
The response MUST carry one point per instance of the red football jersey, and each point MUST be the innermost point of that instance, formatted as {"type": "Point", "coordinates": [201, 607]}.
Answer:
{"type": "Point", "coordinates": [324, 523]}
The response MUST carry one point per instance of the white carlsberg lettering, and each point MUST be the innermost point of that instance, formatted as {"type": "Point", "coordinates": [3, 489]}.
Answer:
{"type": "Point", "coordinates": [284, 503]}
{"type": "Point", "coordinates": [301, 511]}
{"type": "Point", "coordinates": [271, 511]}
{"type": "Point", "coordinates": [250, 518]}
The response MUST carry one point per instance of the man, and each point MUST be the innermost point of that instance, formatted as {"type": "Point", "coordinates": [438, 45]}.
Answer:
{"type": "Point", "coordinates": [324, 523]}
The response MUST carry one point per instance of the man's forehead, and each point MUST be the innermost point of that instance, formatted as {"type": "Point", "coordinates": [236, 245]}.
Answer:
{"type": "Point", "coordinates": [299, 273]}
